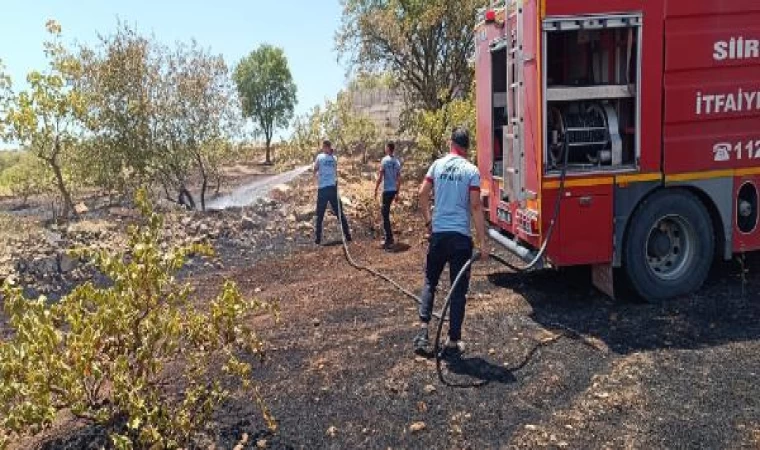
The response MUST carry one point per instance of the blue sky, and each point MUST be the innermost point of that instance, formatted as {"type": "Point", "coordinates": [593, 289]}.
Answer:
{"type": "Point", "coordinates": [304, 28]}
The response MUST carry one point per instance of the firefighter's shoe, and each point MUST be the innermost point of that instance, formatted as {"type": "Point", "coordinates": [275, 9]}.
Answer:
{"type": "Point", "coordinates": [452, 348]}
{"type": "Point", "coordinates": [388, 245]}
{"type": "Point", "coordinates": [421, 341]}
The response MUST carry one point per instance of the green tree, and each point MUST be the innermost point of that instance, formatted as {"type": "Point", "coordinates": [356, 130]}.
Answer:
{"type": "Point", "coordinates": [425, 44]}
{"type": "Point", "coordinates": [267, 91]}
{"type": "Point", "coordinates": [200, 115]}
{"type": "Point", "coordinates": [46, 119]}
{"type": "Point", "coordinates": [158, 114]}
{"type": "Point", "coordinates": [121, 81]}
{"type": "Point", "coordinates": [106, 353]}
{"type": "Point", "coordinates": [433, 128]}
{"type": "Point", "coordinates": [26, 177]}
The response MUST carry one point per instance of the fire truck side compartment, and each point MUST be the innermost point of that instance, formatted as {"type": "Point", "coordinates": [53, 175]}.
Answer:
{"type": "Point", "coordinates": [591, 91]}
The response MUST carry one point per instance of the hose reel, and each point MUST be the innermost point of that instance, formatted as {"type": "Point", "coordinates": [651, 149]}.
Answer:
{"type": "Point", "coordinates": [589, 131]}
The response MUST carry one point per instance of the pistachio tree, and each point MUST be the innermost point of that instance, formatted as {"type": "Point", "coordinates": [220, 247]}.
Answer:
{"type": "Point", "coordinates": [424, 44]}
{"type": "Point", "coordinates": [46, 119]}
{"type": "Point", "coordinates": [121, 82]}
{"type": "Point", "coordinates": [200, 115]}
{"type": "Point", "coordinates": [432, 128]}
{"type": "Point", "coordinates": [106, 354]}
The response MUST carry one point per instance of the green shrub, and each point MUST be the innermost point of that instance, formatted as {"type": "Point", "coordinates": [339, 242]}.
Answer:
{"type": "Point", "coordinates": [25, 178]}
{"type": "Point", "coordinates": [433, 127]}
{"type": "Point", "coordinates": [114, 355]}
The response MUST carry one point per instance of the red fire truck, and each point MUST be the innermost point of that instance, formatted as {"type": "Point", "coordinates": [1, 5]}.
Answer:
{"type": "Point", "coordinates": [621, 134]}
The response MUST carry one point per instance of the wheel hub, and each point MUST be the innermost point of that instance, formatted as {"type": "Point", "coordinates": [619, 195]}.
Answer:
{"type": "Point", "coordinates": [669, 247]}
{"type": "Point", "coordinates": [659, 244]}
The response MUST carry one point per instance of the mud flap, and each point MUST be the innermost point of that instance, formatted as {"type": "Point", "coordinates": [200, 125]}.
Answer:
{"type": "Point", "coordinates": [602, 276]}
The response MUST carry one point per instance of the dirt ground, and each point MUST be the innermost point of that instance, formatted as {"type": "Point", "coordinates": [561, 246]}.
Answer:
{"type": "Point", "coordinates": [341, 373]}
{"type": "Point", "coordinates": [561, 366]}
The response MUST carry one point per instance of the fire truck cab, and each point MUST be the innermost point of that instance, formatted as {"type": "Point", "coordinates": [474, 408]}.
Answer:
{"type": "Point", "coordinates": [622, 135]}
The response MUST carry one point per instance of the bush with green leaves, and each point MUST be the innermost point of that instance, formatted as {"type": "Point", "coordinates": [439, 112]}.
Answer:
{"type": "Point", "coordinates": [432, 128]}
{"type": "Point", "coordinates": [25, 178]}
{"type": "Point", "coordinates": [137, 357]}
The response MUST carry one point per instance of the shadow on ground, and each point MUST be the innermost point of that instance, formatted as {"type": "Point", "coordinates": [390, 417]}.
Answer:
{"type": "Point", "coordinates": [723, 311]}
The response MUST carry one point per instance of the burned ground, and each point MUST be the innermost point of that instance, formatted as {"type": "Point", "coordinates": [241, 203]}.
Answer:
{"type": "Point", "coordinates": [561, 366]}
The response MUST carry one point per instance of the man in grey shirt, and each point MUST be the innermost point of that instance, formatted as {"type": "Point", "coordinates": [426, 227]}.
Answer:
{"type": "Point", "coordinates": [390, 177]}
{"type": "Point", "coordinates": [456, 185]}
{"type": "Point", "coordinates": [326, 171]}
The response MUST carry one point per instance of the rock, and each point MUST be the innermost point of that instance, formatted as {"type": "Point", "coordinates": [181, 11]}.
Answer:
{"type": "Point", "coordinates": [316, 322]}
{"type": "Point", "coordinates": [261, 443]}
{"type": "Point", "coordinates": [332, 431]}
{"type": "Point", "coordinates": [243, 441]}
{"type": "Point", "coordinates": [346, 202]}
{"type": "Point", "coordinates": [54, 239]}
{"type": "Point", "coordinates": [81, 208]}
{"type": "Point", "coordinates": [248, 224]}
{"type": "Point", "coordinates": [66, 263]}
{"type": "Point", "coordinates": [122, 212]}
{"type": "Point", "coordinates": [417, 427]}
{"type": "Point", "coordinates": [429, 389]}
{"type": "Point", "coordinates": [305, 214]}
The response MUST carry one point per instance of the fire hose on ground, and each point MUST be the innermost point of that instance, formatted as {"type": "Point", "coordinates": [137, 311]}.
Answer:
{"type": "Point", "coordinates": [437, 351]}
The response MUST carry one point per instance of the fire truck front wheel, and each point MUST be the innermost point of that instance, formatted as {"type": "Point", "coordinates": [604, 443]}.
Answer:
{"type": "Point", "coordinates": [670, 245]}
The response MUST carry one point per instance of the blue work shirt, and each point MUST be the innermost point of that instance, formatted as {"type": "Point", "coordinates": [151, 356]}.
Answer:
{"type": "Point", "coordinates": [453, 178]}
{"type": "Point", "coordinates": [391, 167]}
{"type": "Point", "coordinates": [327, 170]}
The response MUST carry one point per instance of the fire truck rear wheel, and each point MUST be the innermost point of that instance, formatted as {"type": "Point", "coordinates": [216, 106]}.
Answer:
{"type": "Point", "coordinates": [670, 246]}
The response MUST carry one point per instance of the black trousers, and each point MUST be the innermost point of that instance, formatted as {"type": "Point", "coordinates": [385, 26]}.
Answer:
{"type": "Point", "coordinates": [388, 198]}
{"type": "Point", "coordinates": [454, 249]}
{"type": "Point", "coordinates": [325, 196]}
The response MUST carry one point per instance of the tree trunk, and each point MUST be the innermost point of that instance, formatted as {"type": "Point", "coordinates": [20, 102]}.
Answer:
{"type": "Point", "coordinates": [68, 203]}
{"type": "Point", "coordinates": [204, 186]}
{"type": "Point", "coordinates": [268, 161]}
{"type": "Point", "coordinates": [218, 184]}
{"type": "Point", "coordinates": [364, 152]}
{"type": "Point", "coordinates": [186, 198]}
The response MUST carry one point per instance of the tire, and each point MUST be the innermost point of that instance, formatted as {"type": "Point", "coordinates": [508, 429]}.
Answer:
{"type": "Point", "coordinates": [669, 247]}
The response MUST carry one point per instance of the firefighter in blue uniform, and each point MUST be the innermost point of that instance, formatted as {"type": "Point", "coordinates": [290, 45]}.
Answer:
{"type": "Point", "coordinates": [455, 183]}
{"type": "Point", "coordinates": [326, 171]}
{"type": "Point", "coordinates": [389, 176]}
